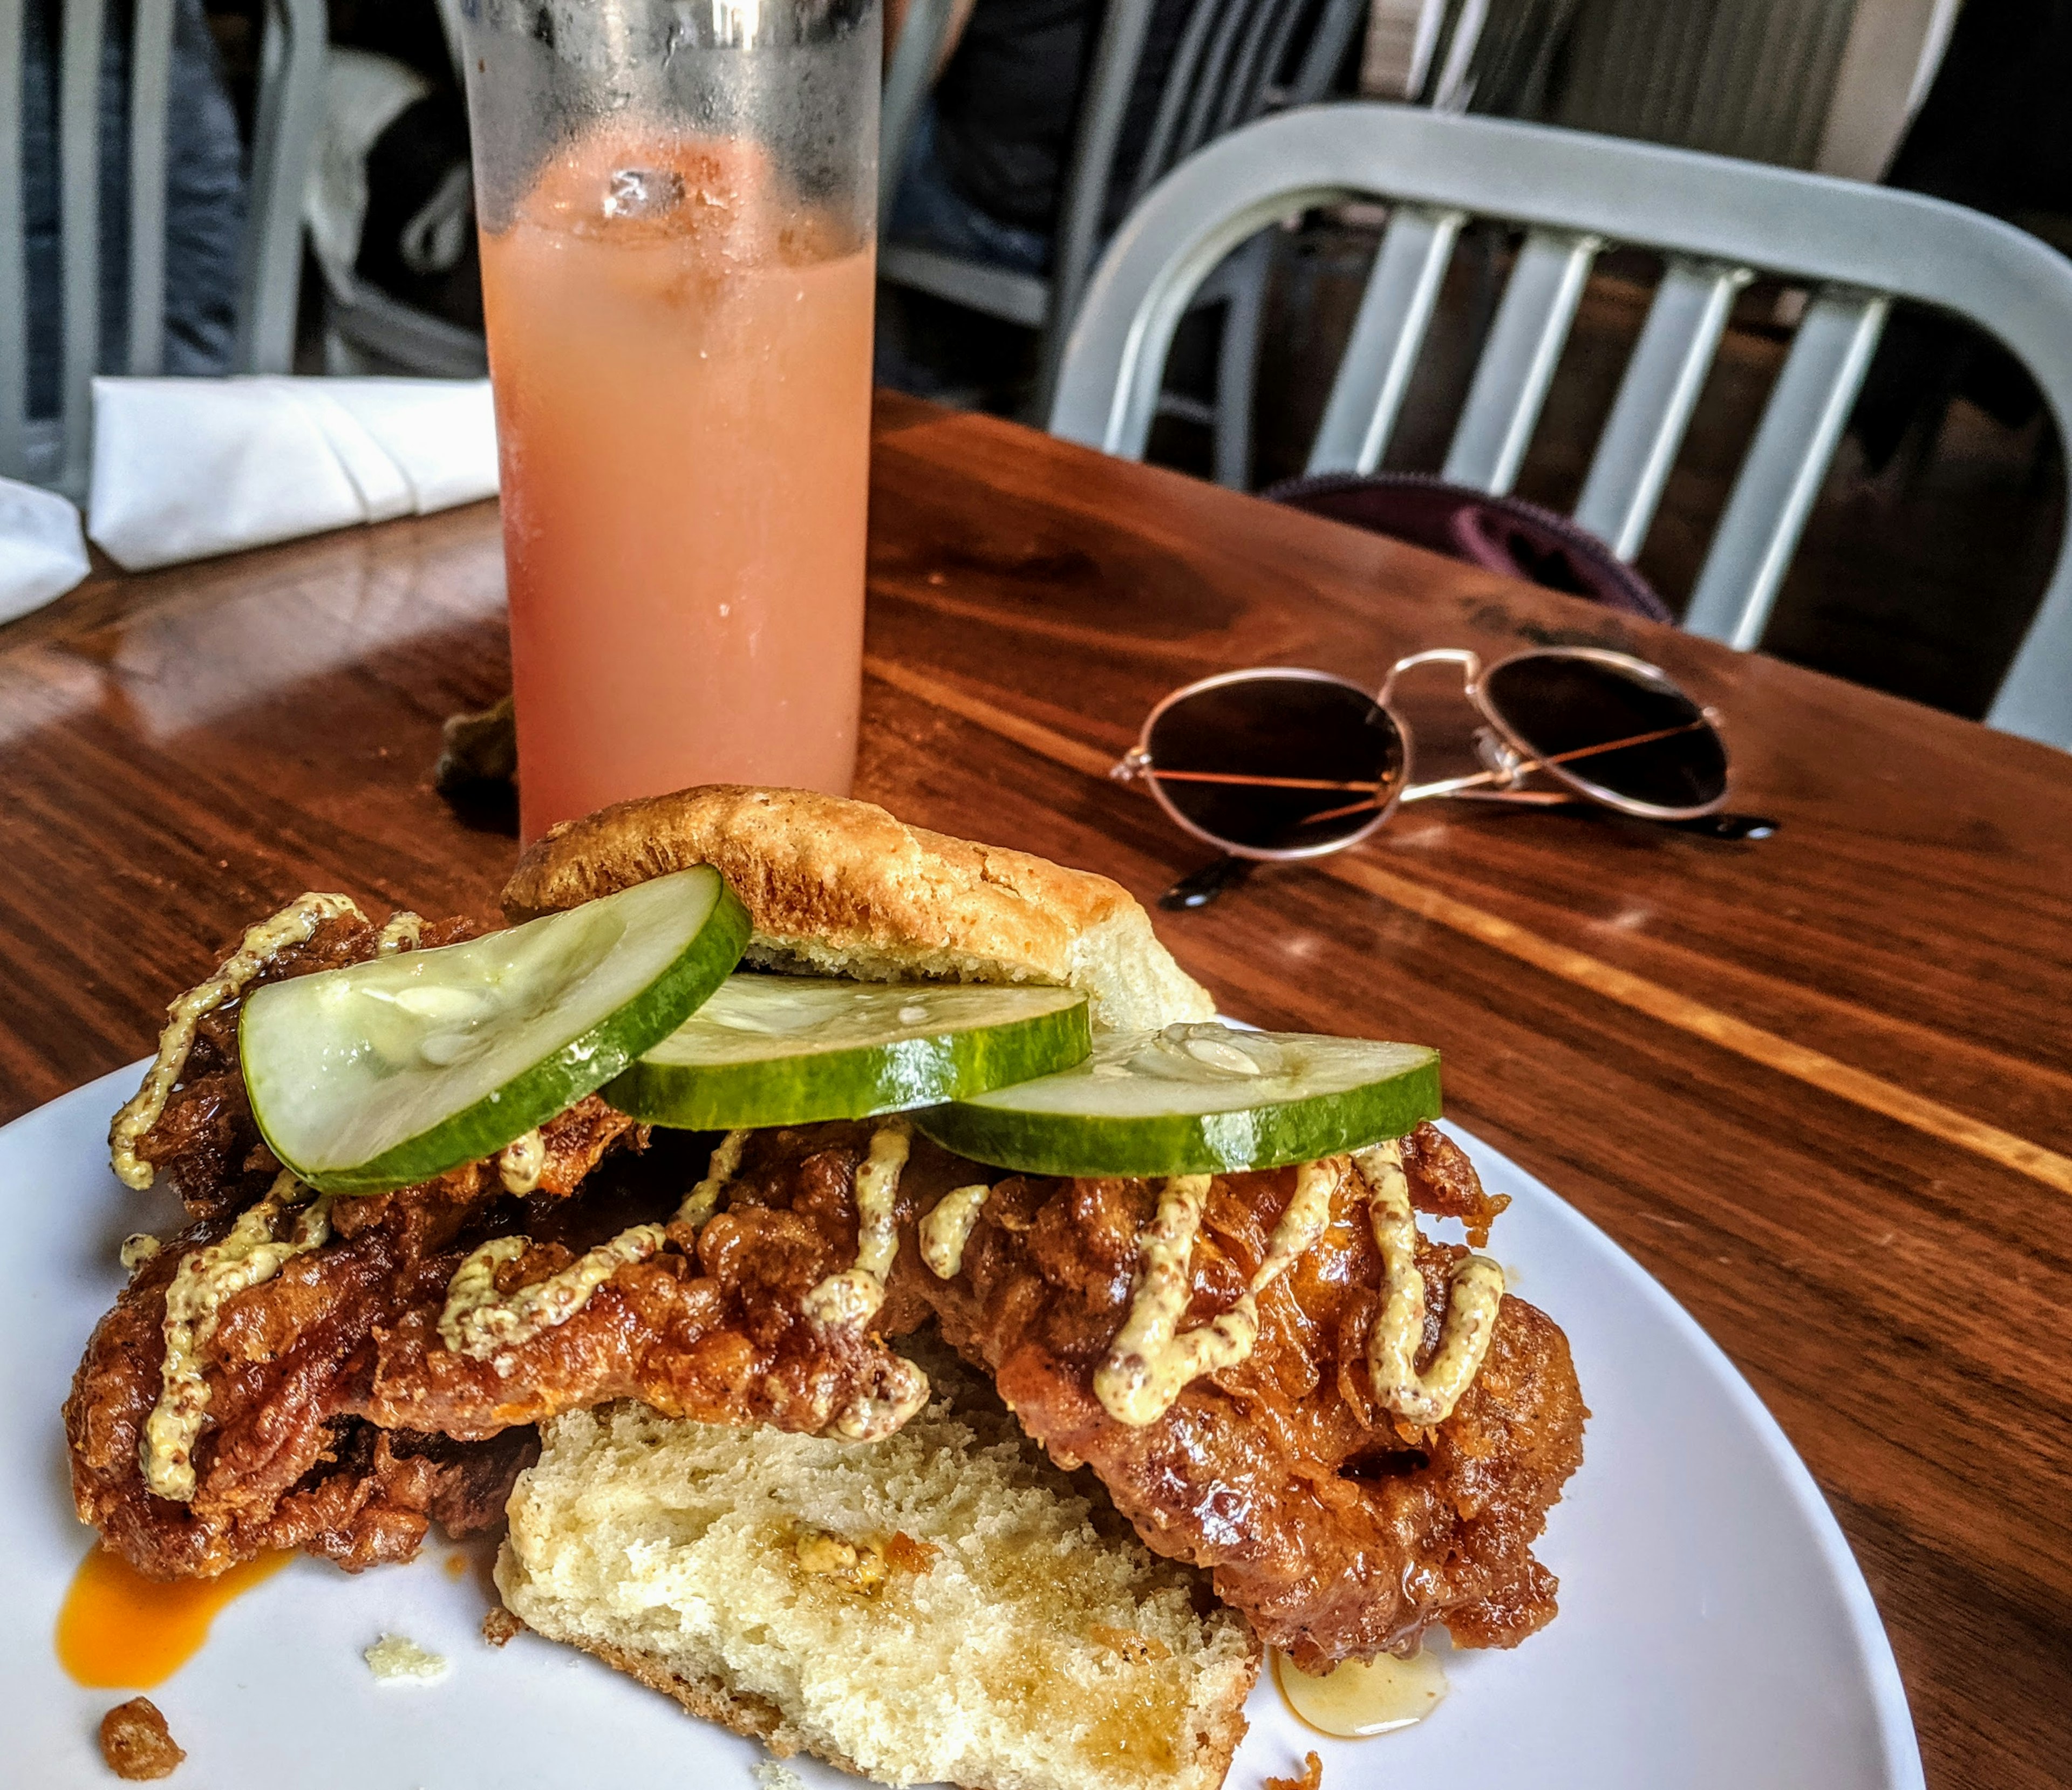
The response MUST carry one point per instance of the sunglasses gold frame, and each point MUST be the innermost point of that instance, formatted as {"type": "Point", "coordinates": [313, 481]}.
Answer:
{"type": "Point", "coordinates": [1507, 758]}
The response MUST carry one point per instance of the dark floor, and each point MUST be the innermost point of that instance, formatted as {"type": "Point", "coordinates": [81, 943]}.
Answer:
{"type": "Point", "coordinates": [1926, 557]}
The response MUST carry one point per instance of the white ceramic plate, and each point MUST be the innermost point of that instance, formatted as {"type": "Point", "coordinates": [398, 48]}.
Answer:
{"type": "Point", "coordinates": [1714, 1633]}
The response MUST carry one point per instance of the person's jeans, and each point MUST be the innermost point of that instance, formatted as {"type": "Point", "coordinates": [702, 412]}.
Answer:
{"type": "Point", "coordinates": [931, 213]}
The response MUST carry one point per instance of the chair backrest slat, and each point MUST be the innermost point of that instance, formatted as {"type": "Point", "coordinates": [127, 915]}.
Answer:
{"type": "Point", "coordinates": [290, 109]}
{"type": "Point", "coordinates": [13, 271]}
{"type": "Point", "coordinates": [1396, 309]}
{"type": "Point", "coordinates": [1786, 463]}
{"type": "Point", "coordinates": [1325, 54]}
{"type": "Point", "coordinates": [1081, 216]}
{"type": "Point", "coordinates": [1518, 362]}
{"type": "Point", "coordinates": [1860, 247]}
{"type": "Point", "coordinates": [1210, 79]}
{"type": "Point", "coordinates": [79, 232]}
{"type": "Point", "coordinates": [1656, 397]}
{"type": "Point", "coordinates": [151, 70]}
{"type": "Point", "coordinates": [1259, 55]}
{"type": "Point", "coordinates": [908, 77]}
{"type": "Point", "coordinates": [1173, 99]}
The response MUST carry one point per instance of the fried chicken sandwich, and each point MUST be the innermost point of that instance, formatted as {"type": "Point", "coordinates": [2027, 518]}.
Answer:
{"type": "Point", "coordinates": [768, 1115]}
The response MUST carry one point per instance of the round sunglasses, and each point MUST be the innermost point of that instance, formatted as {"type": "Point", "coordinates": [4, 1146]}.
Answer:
{"type": "Point", "coordinates": [1279, 763]}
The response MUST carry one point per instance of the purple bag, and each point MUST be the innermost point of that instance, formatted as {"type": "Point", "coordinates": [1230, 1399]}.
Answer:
{"type": "Point", "coordinates": [1499, 534]}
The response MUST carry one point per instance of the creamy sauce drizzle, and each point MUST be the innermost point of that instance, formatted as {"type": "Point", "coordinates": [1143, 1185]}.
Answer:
{"type": "Point", "coordinates": [883, 1409]}
{"type": "Point", "coordinates": [703, 1199]}
{"type": "Point", "coordinates": [1152, 1360]}
{"type": "Point", "coordinates": [521, 1162]}
{"type": "Point", "coordinates": [260, 944]}
{"type": "Point", "coordinates": [1358, 1699]}
{"type": "Point", "coordinates": [850, 1299]}
{"type": "Point", "coordinates": [946, 1230]}
{"type": "Point", "coordinates": [400, 933]}
{"type": "Point", "coordinates": [138, 1248]}
{"type": "Point", "coordinates": [247, 1257]}
{"type": "Point", "coordinates": [478, 1324]}
{"type": "Point", "coordinates": [1476, 1292]}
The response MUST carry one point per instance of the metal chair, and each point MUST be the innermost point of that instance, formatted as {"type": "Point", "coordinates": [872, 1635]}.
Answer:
{"type": "Point", "coordinates": [290, 103]}
{"type": "Point", "coordinates": [366, 331]}
{"type": "Point", "coordinates": [1494, 56]}
{"type": "Point", "coordinates": [1716, 222]}
{"type": "Point", "coordinates": [1827, 85]}
{"type": "Point", "coordinates": [1227, 70]}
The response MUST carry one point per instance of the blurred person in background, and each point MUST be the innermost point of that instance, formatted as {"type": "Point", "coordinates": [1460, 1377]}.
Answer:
{"type": "Point", "coordinates": [985, 176]}
{"type": "Point", "coordinates": [390, 202]}
{"type": "Point", "coordinates": [205, 197]}
{"type": "Point", "coordinates": [987, 161]}
{"type": "Point", "coordinates": [1995, 133]}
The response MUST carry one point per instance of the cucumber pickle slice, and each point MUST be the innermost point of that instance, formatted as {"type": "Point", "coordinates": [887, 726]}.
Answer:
{"type": "Point", "coordinates": [392, 1071]}
{"type": "Point", "coordinates": [794, 1050]}
{"type": "Point", "coordinates": [1196, 1100]}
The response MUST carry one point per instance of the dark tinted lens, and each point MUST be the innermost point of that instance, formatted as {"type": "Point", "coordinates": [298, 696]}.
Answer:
{"type": "Point", "coordinates": [1560, 707]}
{"type": "Point", "coordinates": [1278, 764]}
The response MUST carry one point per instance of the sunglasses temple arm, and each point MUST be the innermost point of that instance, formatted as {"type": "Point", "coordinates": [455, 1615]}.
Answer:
{"type": "Point", "coordinates": [1452, 786]}
{"type": "Point", "coordinates": [1481, 779]}
{"type": "Point", "coordinates": [1522, 798]}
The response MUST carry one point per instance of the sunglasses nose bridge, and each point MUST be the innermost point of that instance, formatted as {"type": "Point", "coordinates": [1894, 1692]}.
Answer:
{"type": "Point", "coordinates": [1470, 664]}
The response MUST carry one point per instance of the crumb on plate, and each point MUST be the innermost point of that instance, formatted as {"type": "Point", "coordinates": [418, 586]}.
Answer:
{"type": "Point", "coordinates": [774, 1776]}
{"type": "Point", "coordinates": [136, 1742]}
{"type": "Point", "coordinates": [1312, 1777]}
{"type": "Point", "coordinates": [396, 1659]}
{"type": "Point", "coordinates": [500, 1625]}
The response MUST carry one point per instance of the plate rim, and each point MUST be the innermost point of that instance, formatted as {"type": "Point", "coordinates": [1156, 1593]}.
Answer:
{"type": "Point", "coordinates": [1897, 1739]}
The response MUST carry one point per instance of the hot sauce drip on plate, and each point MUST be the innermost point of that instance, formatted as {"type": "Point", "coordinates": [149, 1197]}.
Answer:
{"type": "Point", "coordinates": [120, 1630]}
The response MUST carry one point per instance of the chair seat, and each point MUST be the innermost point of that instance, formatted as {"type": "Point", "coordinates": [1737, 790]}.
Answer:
{"type": "Point", "coordinates": [1021, 299]}
{"type": "Point", "coordinates": [373, 333]}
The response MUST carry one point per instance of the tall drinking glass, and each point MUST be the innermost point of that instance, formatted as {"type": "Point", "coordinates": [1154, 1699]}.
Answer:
{"type": "Point", "coordinates": [677, 200]}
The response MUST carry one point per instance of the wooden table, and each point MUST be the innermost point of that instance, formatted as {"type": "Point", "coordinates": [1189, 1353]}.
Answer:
{"type": "Point", "coordinates": [1821, 1085]}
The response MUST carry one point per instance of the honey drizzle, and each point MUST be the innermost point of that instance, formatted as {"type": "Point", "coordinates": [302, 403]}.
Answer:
{"type": "Point", "coordinates": [1358, 1700]}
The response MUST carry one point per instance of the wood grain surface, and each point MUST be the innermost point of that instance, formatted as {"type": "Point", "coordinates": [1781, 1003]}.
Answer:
{"type": "Point", "coordinates": [1821, 1084]}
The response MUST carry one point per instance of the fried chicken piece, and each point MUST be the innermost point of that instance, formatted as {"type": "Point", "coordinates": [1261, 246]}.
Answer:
{"type": "Point", "coordinates": [205, 1142]}
{"type": "Point", "coordinates": [337, 1420]}
{"type": "Point", "coordinates": [287, 1463]}
{"type": "Point", "coordinates": [713, 1327]}
{"type": "Point", "coordinates": [342, 1418]}
{"type": "Point", "coordinates": [1443, 1184]}
{"type": "Point", "coordinates": [292, 1464]}
{"type": "Point", "coordinates": [1341, 1531]}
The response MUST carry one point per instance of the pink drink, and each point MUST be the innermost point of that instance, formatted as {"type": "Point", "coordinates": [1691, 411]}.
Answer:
{"type": "Point", "coordinates": [681, 355]}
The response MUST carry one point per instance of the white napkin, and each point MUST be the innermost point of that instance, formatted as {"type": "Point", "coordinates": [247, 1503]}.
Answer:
{"type": "Point", "coordinates": [183, 468]}
{"type": "Point", "coordinates": [42, 554]}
